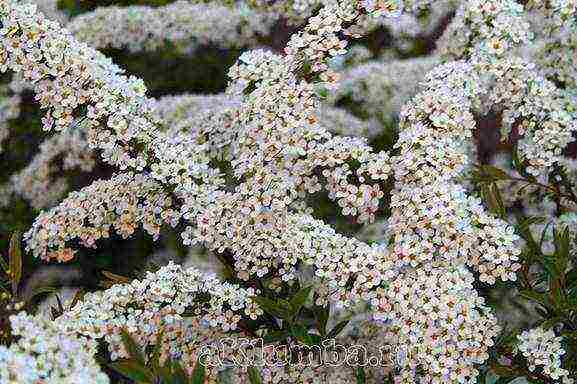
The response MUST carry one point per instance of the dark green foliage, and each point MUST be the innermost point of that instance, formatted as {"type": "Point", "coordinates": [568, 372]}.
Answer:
{"type": "Point", "coordinates": [151, 371]}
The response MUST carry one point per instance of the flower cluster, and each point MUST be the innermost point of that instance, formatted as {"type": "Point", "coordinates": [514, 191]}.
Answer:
{"type": "Point", "coordinates": [44, 180]}
{"type": "Point", "coordinates": [433, 144]}
{"type": "Point", "coordinates": [441, 223]}
{"type": "Point", "coordinates": [442, 323]}
{"type": "Point", "coordinates": [183, 25]}
{"type": "Point", "coordinates": [279, 123]}
{"type": "Point", "coordinates": [319, 40]}
{"type": "Point", "coordinates": [43, 354]}
{"type": "Point", "coordinates": [557, 30]}
{"type": "Point", "coordinates": [543, 349]}
{"type": "Point", "coordinates": [193, 311]}
{"type": "Point", "coordinates": [196, 115]}
{"type": "Point", "coordinates": [72, 80]}
{"type": "Point", "coordinates": [159, 301]}
{"type": "Point", "coordinates": [484, 30]}
{"type": "Point", "coordinates": [121, 203]}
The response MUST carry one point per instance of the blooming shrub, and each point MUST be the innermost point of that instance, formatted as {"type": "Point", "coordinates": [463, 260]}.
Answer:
{"type": "Point", "coordinates": [329, 194]}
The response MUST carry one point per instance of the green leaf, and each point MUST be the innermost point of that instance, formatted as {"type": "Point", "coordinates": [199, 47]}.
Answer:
{"type": "Point", "coordinates": [571, 278]}
{"type": "Point", "coordinates": [551, 322]}
{"type": "Point", "coordinates": [5, 267]}
{"type": "Point", "coordinates": [42, 290]}
{"type": "Point", "coordinates": [491, 378]}
{"type": "Point", "coordinates": [569, 305]}
{"type": "Point", "coordinates": [492, 197]}
{"type": "Point", "coordinates": [314, 339]}
{"type": "Point", "coordinates": [544, 313]}
{"type": "Point", "coordinates": [155, 358]}
{"type": "Point", "coordinates": [502, 211]}
{"type": "Point", "coordinates": [250, 88]}
{"type": "Point", "coordinates": [562, 248]}
{"type": "Point", "coordinates": [15, 260]}
{"type": "Point", "coordinates": [505, 380]}
{"type": "Point", "coordinates": [530, 220]}
{"type": "Point", "coordinates": [544, 235]}
{"type": "Point", "coordinates": [199, 372]}
{"type": "Point", "coordinates": [133, 370]}
{"type": "Point", "coordinates": [132, 348]}
{"type": "Point", "coordinates": [280, 309]}
{"type": "Point", "coordinates": [116, 279]}
{"type": "Point", "coordinates": [337, 329]}
{"type": "Point", "coordinates": [523, 227]}
{"type": "Point", "coordinates": [518, 380]}
{"type": "Point", "coordinates": [321, 92]}
{"type": "Point", "coordinates": [489, 174]}
{"type": "Point", "coordinates": [518, 163]}
{"type": "Point", "coordinates": [300, 333]}
{"type": "Point", "coordinates": [76, 299]}
{"type": "Point", "coordinates": [321, 318]}
{"type": "Point", "coordinates": [165, 372]}
{"type": "Point", "coordinates": [299, 299]}
{"type": "Point", "coordinates": [540, 298]}
{"type": "Point", "coordinates": [361, 376]}
{"type": "Point", "coordinates": [58, 310]}
{"type": "Point", "coordinates": [178, 374]}
{"type": "Point", "coordinates": [550, 264]}
{"type": "Point", "coordinates": [275, 336]}
{"type": "Point", "coordinates": [254, 376]}
{"type": "Point", "coordinates": [569, 334]}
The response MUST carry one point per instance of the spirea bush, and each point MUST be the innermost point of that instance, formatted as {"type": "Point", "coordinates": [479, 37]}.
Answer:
{"type": "Point", "coordinates": [338, 191]}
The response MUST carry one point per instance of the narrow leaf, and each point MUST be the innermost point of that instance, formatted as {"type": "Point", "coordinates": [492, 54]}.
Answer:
{"type": "Point", "coordinates": [131, 347]}
{"type": "Point", "coordinates": [272, 307]}
{"type": "Point", "coordinates": [361, 376]}
{"type": "Point", "coordinates": [178, 374]}
{"type": "Point", "coordinates": [15, 257]}
{"type": "Point", "coordinates": [116, 279]}
{"type": "Point", "coordinates": [501, 210]}
{"type": "Point", "coordinates": [503, 371]}
{"type": "Point", "coordinates": [132, 370]}
{"type": "Point", "coordinates": [299, 299]}
{"type": "Point", "coordinates": [199, 372]}
{"type": "Point", "coordinates": [301, 334]}
{"type": "Point", "coordinates": [337, 329]}
{"type": "Point", "coordinates": [42, 290]}
{"type": "Point", "coordinates": [254, 376]}
{"type": "Point", "coordinates": [488, 173]}
{"type": "Point", "coordinates": [77, 297]}
{"type": "Point", "coordinates": [5, 267]}
{"type": "Point", "coordinates": [535, 296]}
{"type": "Point", "coordinates": [321, 318]}
{"type": "Point", "coordinates": [165, 372]}
{"type": "Point", "coordinates": [155, 358]}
